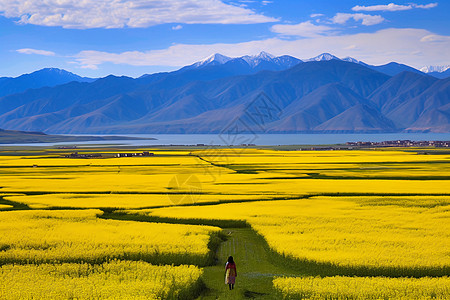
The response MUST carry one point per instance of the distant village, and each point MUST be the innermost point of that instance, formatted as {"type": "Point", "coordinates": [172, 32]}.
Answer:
{"type": "Point", "coordinates": [401, 143]}
{"type": "Point", "coordinates": [98, 155]}
{"type": "Point", "coordinates": [347, 146]}
{"type": "Point", "coordinates": [396, 143]}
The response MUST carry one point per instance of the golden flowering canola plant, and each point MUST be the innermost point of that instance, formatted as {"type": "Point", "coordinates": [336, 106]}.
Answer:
{"type": "Point", "coordinates": [342, 288]}
{"type": "Point", "coordinates": [230, 172]}
{"type": "Point", "coordinates": [111, 280]}
{"type": "Point", "coordinates": [348, 232]}
{"type": "Point", "coordinates": [37, 236]}
{"type": "Point", "coordinates": [119, 201]}
{"type": "Point", "coordinates": [381, 213]}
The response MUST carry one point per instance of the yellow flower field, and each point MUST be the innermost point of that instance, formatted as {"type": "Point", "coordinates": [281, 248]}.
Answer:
{"type": "Point", "coordinates": [251, 171]}
{"type": "Point", "coordinates": [339, 287]}
{"type": "Point", "coordinates": [87, 228]}
{"type": "Point", "coordinates": [346, 231]}
{"type": "Point", "coordinates": [124, 201]}
{"type": "Point", "coordinates": [113, 280]}
{"type": "Point", "coordinates": [271, 157]}
{"type": "Point", "coordinates": [79, 236]}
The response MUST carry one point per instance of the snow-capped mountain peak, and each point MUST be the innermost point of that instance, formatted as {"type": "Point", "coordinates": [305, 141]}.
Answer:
{"type": "Point", "coordinates": [261, 61]}
{"type": "Point", "coordinates": [323, 57]}
{"type": "Point", "coordinates": [354, 60]}
{"type": "Point", "coordinates": [266, 56]}
{"type": "Point", "coordinates": [215, 58]}
{"type": "Point", "coordinates": [254, 60]}
{"type": "Point", "coordinates": [264, 61]}
{"type": "Point", "coordinates": [438, 69]}
{"type": "Point", "coordinates": [351, 59]}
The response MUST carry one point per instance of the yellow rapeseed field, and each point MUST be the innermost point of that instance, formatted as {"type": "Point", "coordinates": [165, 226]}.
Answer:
{"type": "Point", "coordinates": [112, 280]}
{"type": "Point", "coordinates": [109, 175]}
{"type": "Point", "coordinates": [346, 231]}
{"type": "Point", "coordinates": [123, 201]}
{"type": "Point", "coordinates": [79, 236]}
{"type": "Point", "coordinates": [340, 287]}
{"type": "Point", "coordinates": [235, 171]}
{"type": "Point", "coordinates": [382, 213]}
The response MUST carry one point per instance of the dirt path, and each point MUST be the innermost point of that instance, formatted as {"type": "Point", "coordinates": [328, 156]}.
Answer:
{"type": "Point", "coordinates": [255, 268]}
{"type": "Point", "coordinates": [255, 271]}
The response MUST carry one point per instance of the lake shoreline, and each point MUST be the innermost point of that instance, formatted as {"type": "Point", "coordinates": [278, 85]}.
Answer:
{"type": "Point", "coordinates": [215, 140]}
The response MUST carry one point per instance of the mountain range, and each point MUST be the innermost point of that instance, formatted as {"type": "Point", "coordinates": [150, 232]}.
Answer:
{"type": "Point", "coordinates": [324, 94]}
{"type": "Point", "coordinates": [38, 79]}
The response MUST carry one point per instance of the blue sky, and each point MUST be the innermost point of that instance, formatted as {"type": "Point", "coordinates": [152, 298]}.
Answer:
{"type": "Point", "coordinates": [132, 37]}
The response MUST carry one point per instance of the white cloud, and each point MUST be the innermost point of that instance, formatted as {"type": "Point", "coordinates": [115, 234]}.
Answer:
{"type": "Point", "coordinates": [36, 51]}
{"type": "Point", "coordinates": [434, 38]}
{"type": "Point", "coordinates": [82, 14]}
{"type": "Point", "coordinates": [178, 27]}
{"type": "Point", "coordinates": [305, 29]}
{"type": "Point", "coordinates": [90, 67]}
{"type": "Point", "coordinates": [415, 47]}
{"type": "Point", "coordinates": [316, 15]}
{"type": "Point", "coordinates": [388, 7]}
{"type": "Point", "coordinates": [427, 6]}
{"type": "Point", "coordinates": [393, 7]}
{"type": "Point", "coordinates": [342, 18]}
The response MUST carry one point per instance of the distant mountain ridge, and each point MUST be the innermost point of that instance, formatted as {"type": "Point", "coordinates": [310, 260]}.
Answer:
{"type": "Point", "coordinates": [45, 77]}
{"type": "Point", "coordinates": [266, 61]}
{"type": "Point", "coordinates": [247, 64]}
{"type": "Point", "coordinates": [323, 57]}
{"type": "Point", "coordinates": [325, 94]}
{"type": "Point", "coordinates": [433, 69]}
{"type": "Point", "coordinates": [441, 75]}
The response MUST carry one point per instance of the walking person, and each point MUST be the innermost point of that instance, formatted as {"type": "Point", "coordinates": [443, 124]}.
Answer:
{"type": "Point", "coordinates": [230, 272]}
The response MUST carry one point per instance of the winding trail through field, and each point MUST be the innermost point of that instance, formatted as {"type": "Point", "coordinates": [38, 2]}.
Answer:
{"type": "Point", "coordinates": [255, 270]}
{"type": "Point", "coordinates": [255, 263]}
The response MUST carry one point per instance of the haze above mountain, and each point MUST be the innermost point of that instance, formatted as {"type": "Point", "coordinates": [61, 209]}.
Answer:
{"type": "Point", "coordinates": [322, 94]}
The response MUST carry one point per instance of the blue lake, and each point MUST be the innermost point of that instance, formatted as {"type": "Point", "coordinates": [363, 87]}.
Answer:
{"type": "Point", "coordinates": [258, 139]}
